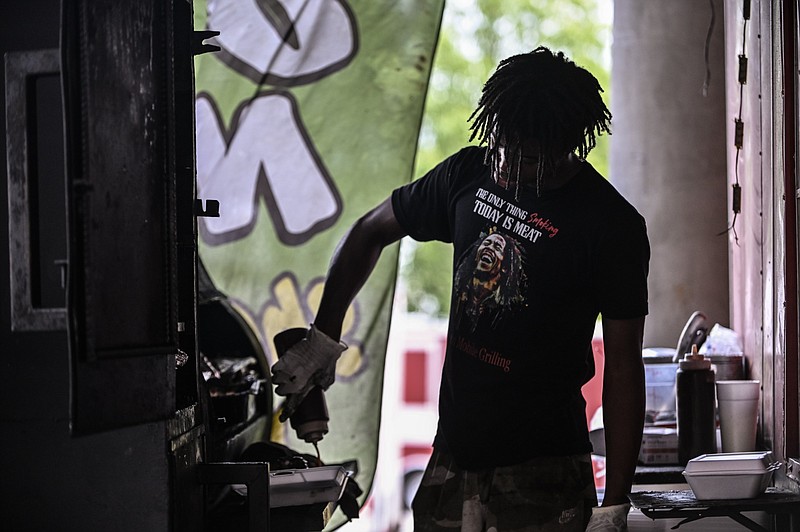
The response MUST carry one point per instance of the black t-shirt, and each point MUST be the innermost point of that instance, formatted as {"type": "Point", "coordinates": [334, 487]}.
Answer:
{"type": "Point", "coordinates": [530, 278]}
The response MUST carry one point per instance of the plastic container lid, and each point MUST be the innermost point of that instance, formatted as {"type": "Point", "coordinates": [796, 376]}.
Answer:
{"type": "Point", "coordinates": [658, 355]}
{"type": "Point", "coordinates": [313, 477]}
{"type": "Point", "coordinates": [751, 462]}
{"type": "Point", "coordinates": [298, 487]}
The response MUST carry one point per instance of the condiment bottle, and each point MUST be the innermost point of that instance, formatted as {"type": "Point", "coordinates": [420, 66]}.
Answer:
{"type": "Point", "coordinates": [696, 402]}
{"type": "Point", "coordinates": [310, 418]}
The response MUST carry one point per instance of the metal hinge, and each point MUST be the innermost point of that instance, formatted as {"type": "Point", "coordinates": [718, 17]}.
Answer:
{"type": "Point", "coordinates": [198, 47]}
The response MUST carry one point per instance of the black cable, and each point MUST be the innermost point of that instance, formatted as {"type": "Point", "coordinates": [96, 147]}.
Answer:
{"type": "Point", "coordinates": [710, 32]}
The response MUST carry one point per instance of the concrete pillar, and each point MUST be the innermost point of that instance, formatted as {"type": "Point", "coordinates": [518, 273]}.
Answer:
{"type": "Point", "coordinates": [668, 153]}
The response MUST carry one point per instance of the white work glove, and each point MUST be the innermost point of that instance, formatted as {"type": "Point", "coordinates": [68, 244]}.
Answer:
{"type": "Point", "coordinates": [310, 362]}
{"type": "Point", "coordinates": [609, 518]}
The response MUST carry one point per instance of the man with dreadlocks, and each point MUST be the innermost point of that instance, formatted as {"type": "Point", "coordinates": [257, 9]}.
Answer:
{"type": "Point", "coordinates": [512, 451]}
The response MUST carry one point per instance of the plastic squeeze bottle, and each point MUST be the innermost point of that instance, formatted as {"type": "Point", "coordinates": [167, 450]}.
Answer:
{"type": "Point", "coordinates": [310, 418]}
{"type": "Point", "coordinates": [696, 402]}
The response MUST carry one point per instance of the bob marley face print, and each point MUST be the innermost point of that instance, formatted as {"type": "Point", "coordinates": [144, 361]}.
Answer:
{"type": "Point", "coordinates": [490, 256]}
{"type": "Point", "coordinates": [490, 281]}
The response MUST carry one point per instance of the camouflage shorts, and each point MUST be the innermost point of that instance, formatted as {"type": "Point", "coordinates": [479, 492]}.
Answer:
{"type": "Point", "coordinates": [544, 494]}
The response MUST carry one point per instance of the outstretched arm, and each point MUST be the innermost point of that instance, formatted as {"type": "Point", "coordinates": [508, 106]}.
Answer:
{"type": "Point", "coordinates": [312, 361]}
{"type": "Point", "coordinates": [352, 263]}
{"type": "Point", "coordinates": [623, 404]}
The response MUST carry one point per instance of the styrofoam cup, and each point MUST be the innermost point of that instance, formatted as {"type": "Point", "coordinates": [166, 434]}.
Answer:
{"type": "Point", "coordinates": [738, 390]}
{"type": "Point", "coordinates": [738, 414]}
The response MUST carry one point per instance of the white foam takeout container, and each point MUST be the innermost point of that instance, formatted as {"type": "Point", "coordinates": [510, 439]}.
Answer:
{"type": "Point", "coordinates": [730, 475]}
{"type": "Point", "coordinates": [297, 487]}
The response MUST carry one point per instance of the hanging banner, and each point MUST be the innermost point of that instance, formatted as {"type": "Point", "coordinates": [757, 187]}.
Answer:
{"type": "Point", "coordinates": [306, 118]}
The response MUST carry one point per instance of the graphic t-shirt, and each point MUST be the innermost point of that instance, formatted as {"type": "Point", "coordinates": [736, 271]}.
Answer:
{"type": "Point", "coordinates": [530, 278]}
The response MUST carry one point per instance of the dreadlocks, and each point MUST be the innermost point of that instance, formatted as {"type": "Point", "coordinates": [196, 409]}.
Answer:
{"type": "Point", "coordinates": [543, 96]}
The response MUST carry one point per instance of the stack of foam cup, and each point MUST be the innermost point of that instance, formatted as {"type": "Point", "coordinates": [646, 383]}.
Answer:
{"type": "Point", "coordinates": [738, 414]}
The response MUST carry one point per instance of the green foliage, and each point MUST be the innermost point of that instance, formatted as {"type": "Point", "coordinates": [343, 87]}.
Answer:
{"type": "Point", "coordinates": [475, 36]}
{"type": "Point", "coordinates": [427, 277]}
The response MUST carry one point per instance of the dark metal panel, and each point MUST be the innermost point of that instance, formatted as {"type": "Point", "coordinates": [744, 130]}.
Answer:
{"type": "Point", "coordinates": [122, 296]}
{"type": "Point", "coordinates": [186, 451]}
{"type": "Point", "coordinates": [122, 291]}
{"type": "Point", "coordinates": [126, 391]}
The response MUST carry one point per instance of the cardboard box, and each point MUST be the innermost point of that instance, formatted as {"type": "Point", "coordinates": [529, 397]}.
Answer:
{"type": "Point", "coordinates": [659, 446]}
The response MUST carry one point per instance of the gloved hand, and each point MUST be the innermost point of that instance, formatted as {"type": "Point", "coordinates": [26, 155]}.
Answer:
{"type": "Point", "coordinates": [310, 362]}
{"type": "Point", "coordinates": [609, 518]}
